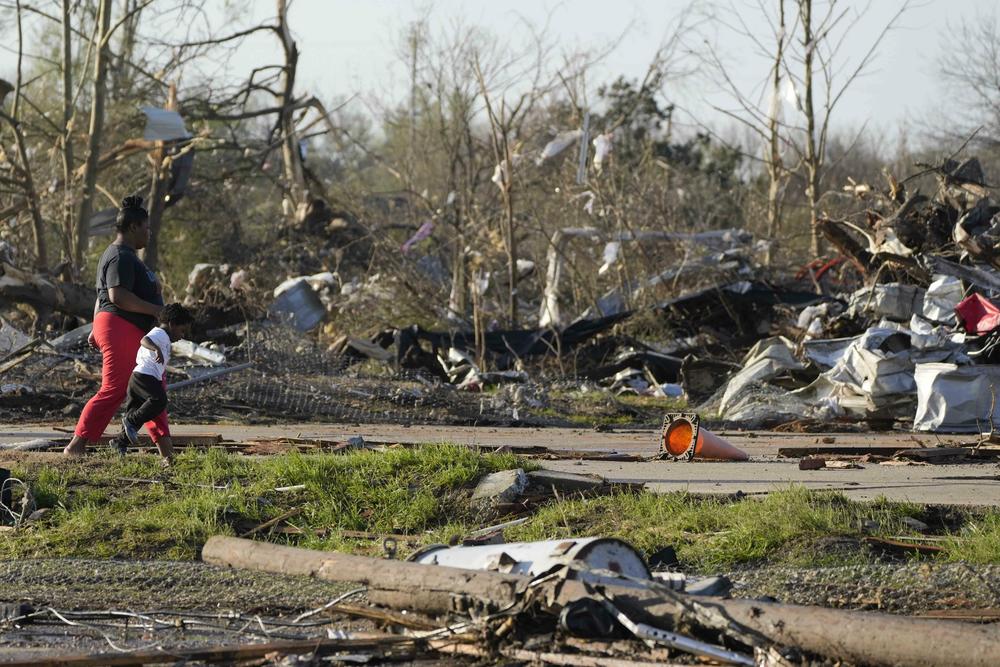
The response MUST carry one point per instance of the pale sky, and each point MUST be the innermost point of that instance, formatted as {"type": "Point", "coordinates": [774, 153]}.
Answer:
{"type": "Point", "coordinates": [350, 47]}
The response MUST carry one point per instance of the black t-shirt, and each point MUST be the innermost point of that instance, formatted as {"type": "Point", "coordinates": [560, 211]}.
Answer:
{"type": "Point", "coordinates": [121, 267]}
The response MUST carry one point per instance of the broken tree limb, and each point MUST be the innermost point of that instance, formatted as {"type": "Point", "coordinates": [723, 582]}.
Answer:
{"type": "Point", "coordinates": [978, 277]}
{"type": "Point", "coordinates": [845, 243]}
{"type": "Point", "coordinates": [857, 637]}
{"type": "Point", "coordinates": [44, 293]}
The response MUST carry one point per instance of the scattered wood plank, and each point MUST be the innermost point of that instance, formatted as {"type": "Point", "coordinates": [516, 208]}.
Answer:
{"type": "Point", "coordinates": [407, 620]}
{"type": "Point", "coordinates": [934, 454]}
{"type": "Point", "coordinates": [901, 547]}
{"type": "Point", "coordinates": [365, 535]}
{"type": "Point", "coordinates": [295, 511]}
{"type": "Point", "coordinates": [989, 615]}
{"type": "Point", "coordinates": [837, 450]}
{"type": "Point", "coordinates": [180, 440]}
{"type": "Point", "coordinates": [20, 355]}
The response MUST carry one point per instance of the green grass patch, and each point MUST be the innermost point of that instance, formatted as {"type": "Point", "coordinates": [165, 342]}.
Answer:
{"type": "Point", "coordinates": [795, 526]}
{"type": "Point", "coordinates": [131, 508]}
{"type": "Point", "coordinates": [110, 507]}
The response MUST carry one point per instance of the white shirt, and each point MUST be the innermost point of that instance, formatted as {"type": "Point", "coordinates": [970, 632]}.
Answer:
{"type": "Point", "coordinates": [145, 360]}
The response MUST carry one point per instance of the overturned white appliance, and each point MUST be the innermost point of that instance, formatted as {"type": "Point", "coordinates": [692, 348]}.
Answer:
{"type": "Point", "coordinates": [597, 558]}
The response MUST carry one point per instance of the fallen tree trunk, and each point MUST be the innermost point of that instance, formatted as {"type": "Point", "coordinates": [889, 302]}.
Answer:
{"type": "Point", "coordinates": [985, 279]}
{"type": "Point", "coordinates": [434, 589]}
{"type": "Point", "coordinates": [857, 637]}
{"type": "Point", "coordinates": [45, 294]}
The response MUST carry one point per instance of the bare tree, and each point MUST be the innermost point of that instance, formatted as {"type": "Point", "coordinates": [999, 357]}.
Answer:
{"type": "Point", "coordinates": [24, 165]}
{"type": "Point", "coordinates": [971, 74]}
{"type": "Point", "coordinates": [95, 131]}
{"type": "Point", "coordinates": [67, 129]}
{"type": "Point", "coordinates": [809, 54]}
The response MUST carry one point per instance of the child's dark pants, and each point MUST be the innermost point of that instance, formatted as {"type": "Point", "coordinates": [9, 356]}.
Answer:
{"type": "Point", "coordinates": [147, 398]}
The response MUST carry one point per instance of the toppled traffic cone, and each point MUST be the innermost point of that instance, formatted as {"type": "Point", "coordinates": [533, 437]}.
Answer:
{"type": "Point", "coordinates": [683, 437]}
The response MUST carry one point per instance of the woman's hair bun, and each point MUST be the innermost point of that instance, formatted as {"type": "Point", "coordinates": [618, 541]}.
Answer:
{"type": "Point", "coordinates": [132, 201]}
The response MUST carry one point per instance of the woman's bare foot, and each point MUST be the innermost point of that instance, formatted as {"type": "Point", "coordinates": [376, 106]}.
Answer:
{"type": "Point", "coordinates": [77, 448]}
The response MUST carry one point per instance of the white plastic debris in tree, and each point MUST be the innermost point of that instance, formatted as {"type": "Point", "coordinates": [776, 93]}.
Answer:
{"type": "Point", "coordinates": [481, 283]}
{"type": "Point", "coordinates": [562, 141]}
{"type": "Point", "coordinates": [238, 280]}
{"type": "Point", "coordinates": [788, 93]}
{"type": "Point", "coordinates": [603, 144]}
{"type": "Point", "coordinates": [163, 125]}
{"type": "Point", "coordinates": [611, 250]}
{"type": "Point", "coordinates": [891, 244]}
{"type": "Point", "coordinates": [588, 206]}
{"type": "Point", "coordinates": [424, 232]}
{"type": "Point", "coordinates": [957, 399]}
{"type": "Point", "coordinates": [501, 173]}
{"type": "Point", "coordinates": [525, 267]}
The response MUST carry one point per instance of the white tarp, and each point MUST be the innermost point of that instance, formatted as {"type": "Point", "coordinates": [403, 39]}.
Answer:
{"type": "Point", "coordinates": [877, 363]}
{"type": "Point", "coordinates": [827, 352]}
{"type": "Point", "coordinates": [766, 360]}
{"type": "Point", "coordinates": [956, 399]}
{"type": "Point", "coordinates": [943, 294]}
{"type": "Point", "coordinates": [892, 301]}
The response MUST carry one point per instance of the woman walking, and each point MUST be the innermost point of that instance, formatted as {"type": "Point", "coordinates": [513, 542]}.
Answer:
{"type": "Point", "coordinates": [128, 303]}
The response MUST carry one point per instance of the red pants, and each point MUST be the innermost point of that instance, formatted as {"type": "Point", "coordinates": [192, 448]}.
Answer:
{"type": "Point", "coordinates": [119, 341]}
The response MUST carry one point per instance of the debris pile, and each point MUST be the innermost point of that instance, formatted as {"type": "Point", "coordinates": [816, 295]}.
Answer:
{"type": "Point", "coordinates": [901, 326]}
{"type": "Point", "coordinates": [914, 343]}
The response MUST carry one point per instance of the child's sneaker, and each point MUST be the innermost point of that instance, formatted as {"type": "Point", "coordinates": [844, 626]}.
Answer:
{"type": "Point", "coordinates": [130, 432]}
{"type": "Point", "coordinates": [121, 444]}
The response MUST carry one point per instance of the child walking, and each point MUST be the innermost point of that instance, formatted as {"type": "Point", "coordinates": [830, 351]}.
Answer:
{"type": "Point", "coordinates": [147, 388]}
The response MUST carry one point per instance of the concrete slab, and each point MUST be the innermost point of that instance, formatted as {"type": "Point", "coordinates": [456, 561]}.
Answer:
{"type": "Point", "coordinates": [631, 441]}
{"type": "Point", "coordinates": [977, 484]}
{"type": "Point", "coordinates": [564, 481]}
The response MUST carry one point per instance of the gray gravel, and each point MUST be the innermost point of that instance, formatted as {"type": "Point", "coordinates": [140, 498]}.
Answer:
{"type": "Point", "coordinates": [896, 588]}
{"type": "Point", "coordinates": [103, 584]}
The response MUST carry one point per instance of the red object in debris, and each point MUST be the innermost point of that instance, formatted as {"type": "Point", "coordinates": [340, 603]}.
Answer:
{"type": "Point", "coordinates": [978, 314]}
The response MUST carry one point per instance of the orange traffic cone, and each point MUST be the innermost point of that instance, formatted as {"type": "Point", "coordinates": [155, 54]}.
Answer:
{"type": "Point", "coordinates": [683, 437]}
